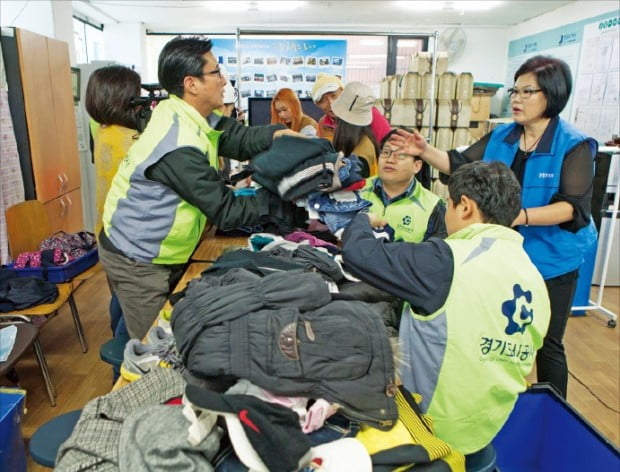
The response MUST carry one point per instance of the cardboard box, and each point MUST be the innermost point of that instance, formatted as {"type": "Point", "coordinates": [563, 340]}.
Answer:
{"type": "Point", "coordinates": [453, 114]}
{"type": "Point", "coordinates": [480, 107]}
{"type": "Point", "coordinates": [411, 113]}
{"type": "Point", "coordinates": [477, 129]}
{"type": "Point", "coordinates": [421, 62]}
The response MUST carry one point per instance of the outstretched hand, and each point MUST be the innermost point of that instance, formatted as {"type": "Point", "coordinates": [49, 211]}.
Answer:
{"type": "Point", "coordinates": [376, 221]}
{"type": "Point", "coordinates": [287, 132]}
{"type": "Point", "coordinates": [408, 143]}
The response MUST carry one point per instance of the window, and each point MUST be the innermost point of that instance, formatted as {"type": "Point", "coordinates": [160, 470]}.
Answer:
{"type": "Point", "coordinates": [88, 40]}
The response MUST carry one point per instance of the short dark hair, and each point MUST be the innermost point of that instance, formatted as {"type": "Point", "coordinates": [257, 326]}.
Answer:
{"type": "Point", "coordinates": [494, 188]}
{"type": "Point", "coordinates": [109, 93]}
{"type": "Point", "coordinates": [553, 77]}
{"type": "Point", "coordinates": [392, 132]}
{"type": "Point", "coordinates": [179, 58]}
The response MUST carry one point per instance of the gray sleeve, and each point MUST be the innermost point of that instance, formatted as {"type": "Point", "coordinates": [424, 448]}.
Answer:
{"type": "Point", "coordinates": [420, 273]}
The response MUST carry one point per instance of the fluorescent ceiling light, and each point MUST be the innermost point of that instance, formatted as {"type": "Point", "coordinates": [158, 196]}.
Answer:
{"type": "Point", "coordinates": [456, 5]}
{"type": "Point", "coordinates": [259, 5]}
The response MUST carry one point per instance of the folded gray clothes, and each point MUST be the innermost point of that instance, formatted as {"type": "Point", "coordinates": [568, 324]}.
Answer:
{"type": "Point", "coordinates": [287, 152]}
{"type": "Point", "coordinates": [154, 438]}
{"type": "Point", "coordinates": [94, 442]}
{"type": "Point", "coordinates": [319, 170]}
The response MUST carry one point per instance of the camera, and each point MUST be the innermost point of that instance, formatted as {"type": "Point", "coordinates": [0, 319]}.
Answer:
{"type": "Point", "coordinates": [146, 103]}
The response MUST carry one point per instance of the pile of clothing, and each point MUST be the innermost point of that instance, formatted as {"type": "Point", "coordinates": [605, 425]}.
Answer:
{"type": "Point", "coordinates": [287, 366]}
{"type": "Point", "coordinates": [313, 174]}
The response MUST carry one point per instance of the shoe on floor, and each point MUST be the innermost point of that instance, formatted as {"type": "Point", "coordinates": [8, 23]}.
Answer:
{"type": "Point", "coordinates": [138, 359]}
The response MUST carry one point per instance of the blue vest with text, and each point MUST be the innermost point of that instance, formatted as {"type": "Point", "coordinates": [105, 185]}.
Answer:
{"type": "Point", "coordinates": [553, 250]}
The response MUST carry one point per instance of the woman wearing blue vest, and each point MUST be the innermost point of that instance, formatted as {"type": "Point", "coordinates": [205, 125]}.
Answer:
{"type": "Point", "coordinates": [554, 163]}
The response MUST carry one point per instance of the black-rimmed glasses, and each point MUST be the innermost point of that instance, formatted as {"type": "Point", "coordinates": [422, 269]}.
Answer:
{"type": "Point", "coordinates": [217, 73]}
{"type": "Point", "coordinates": [387, 153]}
{"type": "Point", "coordinates": [524, 93]}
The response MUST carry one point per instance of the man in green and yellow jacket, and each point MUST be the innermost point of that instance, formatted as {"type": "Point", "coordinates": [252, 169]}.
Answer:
{"type": "Point", "coordinates": [476, 308]}
{"type": "Point", "coordinates": [168, 185]}
{"type": "Point", "coordinates": [412, 211]}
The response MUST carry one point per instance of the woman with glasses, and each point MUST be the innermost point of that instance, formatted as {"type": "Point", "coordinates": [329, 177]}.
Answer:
{"type": "Point", "coordinates": [554, 163]}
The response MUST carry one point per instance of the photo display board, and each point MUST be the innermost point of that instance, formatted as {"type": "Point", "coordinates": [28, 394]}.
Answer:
{"type": "Point", "coordinates": [267, 65]}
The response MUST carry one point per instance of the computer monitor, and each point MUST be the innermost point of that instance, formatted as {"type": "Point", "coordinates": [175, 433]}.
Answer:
{"type": "Point", "coordinates": [259, 110]}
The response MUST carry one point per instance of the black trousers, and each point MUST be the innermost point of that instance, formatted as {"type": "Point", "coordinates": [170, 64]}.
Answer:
{"type": "Point", "coordinates": [551, 363]}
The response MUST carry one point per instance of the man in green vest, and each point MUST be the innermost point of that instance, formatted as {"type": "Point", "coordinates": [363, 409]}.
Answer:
{"type": "Point", "coordinates": [168, 185]}
{"type": "Point", "coordinates": [476, 308]}
{"type": "Point", "coordinates": [413, 212]}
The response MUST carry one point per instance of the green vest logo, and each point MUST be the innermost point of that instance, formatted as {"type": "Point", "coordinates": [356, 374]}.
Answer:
{"type": "Point", "coordinates": [406, 220]}
{"type": "Point", "coordinates": [518, 310]}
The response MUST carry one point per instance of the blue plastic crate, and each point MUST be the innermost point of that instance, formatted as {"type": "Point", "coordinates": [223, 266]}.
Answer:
{"type": "Point", "coordinates": [544, 433]}
{"type": "Point", "coordinates": [61, 273]}
{"type": "Point", "coordinates": [12, 450]}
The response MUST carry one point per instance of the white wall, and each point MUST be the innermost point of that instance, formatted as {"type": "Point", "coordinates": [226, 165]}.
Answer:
{"type": "Point", "coordinates": [46, 17]}
{"type": "Point", "coordinates": [63, 25]}
{"type": "Point", "coordinates": [565, 15]}
{"type": "Point", "coordinates": [575, 12]}
{"type": "Point", "coordinates": [32, 16]}
{"type": "Point", "coordinates": [125, 43]}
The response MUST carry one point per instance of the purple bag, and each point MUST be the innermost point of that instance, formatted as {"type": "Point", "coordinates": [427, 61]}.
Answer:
{"type": "Point", "coordinates": [74, 245]}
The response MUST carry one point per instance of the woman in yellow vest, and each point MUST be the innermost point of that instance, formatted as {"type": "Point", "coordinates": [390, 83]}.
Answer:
{"type": "Point", "coordinates": [114, 124]}
{"type": "Point", "coordinates": [109, 93]}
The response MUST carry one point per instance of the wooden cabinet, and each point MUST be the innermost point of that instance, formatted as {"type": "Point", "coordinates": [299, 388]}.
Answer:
{"type": "Point", "coordinates": [51, 158]}
{"type": "Point", "coordinates": [65, 212]}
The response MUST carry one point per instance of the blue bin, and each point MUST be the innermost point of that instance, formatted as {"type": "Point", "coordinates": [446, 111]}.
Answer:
{"type": "Point", "coordinates": [584, 281]}
{"type": "Point", "coordinates": [63, 273]}
{"type": "Point", "coordinates": [544, 433]}
{"type": "Point", "coordinates": [12, 450]}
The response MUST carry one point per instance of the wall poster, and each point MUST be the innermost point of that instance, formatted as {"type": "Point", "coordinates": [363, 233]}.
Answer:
{"type": "Point", "coordinates": [590, 48]}
{"type": "Point", "coordinates": [563, 43]}
{"type": "Point", "coordinates": [268, 65]}
{"type": "Point", "coordinates": [597, 88]}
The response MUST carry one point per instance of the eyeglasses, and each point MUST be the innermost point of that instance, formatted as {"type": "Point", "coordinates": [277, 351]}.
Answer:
{"type": "Point", "coordinates": [524, 94]}
{"type": "Point", "coordinates": [215, 73]}
{"type": "Point", "coordinates": [386, 153]}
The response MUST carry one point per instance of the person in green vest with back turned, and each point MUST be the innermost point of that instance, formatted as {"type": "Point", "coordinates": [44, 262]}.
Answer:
{"type": "Point", "coordinates": [476, 309]}
{"type": "Point", "coordinates": [412, 211]}
{"type": "Point", "coordinates": [167, 186]}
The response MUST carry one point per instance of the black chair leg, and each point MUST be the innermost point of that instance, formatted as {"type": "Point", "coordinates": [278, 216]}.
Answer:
{"type": "Point", "coordinates": [78, 324]}
{"type": "Point", "coordinates": [51, 391]}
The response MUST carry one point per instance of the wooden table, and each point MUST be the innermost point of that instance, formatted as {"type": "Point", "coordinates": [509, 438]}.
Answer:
{"type": "Point", "coordinates": [212, 246]}
{"type": "Point", "coordinates": [207, 251]}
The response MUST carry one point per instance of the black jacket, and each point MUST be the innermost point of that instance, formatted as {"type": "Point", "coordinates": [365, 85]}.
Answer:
{"type": "Point", "coordinates": [285, 333]}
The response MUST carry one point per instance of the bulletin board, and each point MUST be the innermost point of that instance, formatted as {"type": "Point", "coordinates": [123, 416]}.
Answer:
{"type": "Point", "coordinates": [587, 50]}
{"type": "Point", "coordinates": [597, 88]}
{"type": "Point", "coordinates": [267, 65]}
